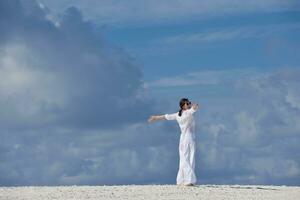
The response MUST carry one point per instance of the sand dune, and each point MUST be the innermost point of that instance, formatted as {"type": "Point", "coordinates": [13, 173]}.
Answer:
{"type": "Point", "coordinates": [157, 192]}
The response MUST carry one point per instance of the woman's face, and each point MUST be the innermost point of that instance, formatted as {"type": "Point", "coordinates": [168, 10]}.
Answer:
{"type": "Point", "coordinates": [186, 106]}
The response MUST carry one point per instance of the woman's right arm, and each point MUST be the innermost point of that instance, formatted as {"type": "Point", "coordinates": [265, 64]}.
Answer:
{"type": "Point", "coordinates": [156, 117]}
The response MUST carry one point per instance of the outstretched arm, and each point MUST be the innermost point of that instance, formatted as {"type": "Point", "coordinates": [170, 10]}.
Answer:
{"type": "Point", "coordinates": [156, 117]}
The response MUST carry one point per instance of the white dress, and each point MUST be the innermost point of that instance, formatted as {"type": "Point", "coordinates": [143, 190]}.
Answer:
{"type": "Point", "coordinates": [186, 173]}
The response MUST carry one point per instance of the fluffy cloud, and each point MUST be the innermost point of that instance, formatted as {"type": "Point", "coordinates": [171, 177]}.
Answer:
{"type": "Point", "coordinates": [258, 143]}
{"type": "Point", "coordinates": [203, 78]}
{"type": "Point", "coordinates": [73, 107]}
{"type": "Point", "coordinates": [226, 34]}
{"type": "Point", "coordinates": [135, 154]}
{"type": "Point", "coordinates": [157, 11]}
{"type": "Point", "coordinates": [66, 74]}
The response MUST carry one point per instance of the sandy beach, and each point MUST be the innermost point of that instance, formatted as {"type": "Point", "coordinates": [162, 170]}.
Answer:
{"type": "Point", "coordinates": [135, 192]}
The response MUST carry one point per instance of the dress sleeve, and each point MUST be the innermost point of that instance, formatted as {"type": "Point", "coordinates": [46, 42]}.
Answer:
{"type": "Point", "coordinates": [191, 110]}
{"type": "Point", "coordinates": [171, 116]}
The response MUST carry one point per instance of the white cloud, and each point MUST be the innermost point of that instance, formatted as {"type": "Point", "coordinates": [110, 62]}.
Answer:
{"type": "Point", "coordinates": [257, 140]}
{"type": "Point", "coordinates": [203, 77]}
{"type": "Point", "coordinates": [63, 74]}
{"type": "Point", "coordinates": [72, 105]}
{"type": "Point", "coordinates": [247, 127]}
{"type": "Point", "coordinates": [293, 97]}
{"type": "Point", "coordinates": [21, 75]}
{"type": "Point", "coordinates": [157, 11]}
{"type": "Point", "coordinates": [275, 167]}
{"type": "Point", "coordinates": [229, 33]}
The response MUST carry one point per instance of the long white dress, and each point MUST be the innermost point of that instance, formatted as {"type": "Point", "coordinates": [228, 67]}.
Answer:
{"type": "Point", "coordinates": [186, 173]}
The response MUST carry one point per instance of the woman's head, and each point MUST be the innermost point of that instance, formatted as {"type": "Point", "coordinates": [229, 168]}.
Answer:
{"type": "Point", "coordinates": [184, 104]}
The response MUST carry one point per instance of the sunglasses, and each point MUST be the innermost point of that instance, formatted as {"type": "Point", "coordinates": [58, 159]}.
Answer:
{"type": "Point", "coordinates": [188, 103]}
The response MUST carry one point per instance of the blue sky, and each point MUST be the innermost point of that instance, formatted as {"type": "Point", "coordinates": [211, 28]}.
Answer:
{"type": "Point", "coordinates": [219, 43]}
{"type": "Point", "coordinates": [79, 79]}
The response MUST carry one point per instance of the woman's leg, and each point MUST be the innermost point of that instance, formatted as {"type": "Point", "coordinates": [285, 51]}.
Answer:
{"type": "Point", "coordinates": [180, 175]}
{"type": "Point", "coordinates": [192, 175]}
{"type": "Point", "coordinates": [186, 174]}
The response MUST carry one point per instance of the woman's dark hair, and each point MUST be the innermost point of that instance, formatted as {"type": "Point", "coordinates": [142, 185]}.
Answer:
{"type": "Point", "coordinates": [181, 104]}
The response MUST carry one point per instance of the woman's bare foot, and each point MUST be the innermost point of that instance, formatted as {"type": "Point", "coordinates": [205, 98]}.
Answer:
{"type": "Point", "coordinates": [189, 184]}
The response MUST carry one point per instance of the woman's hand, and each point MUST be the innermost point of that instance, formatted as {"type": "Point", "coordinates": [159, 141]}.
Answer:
{"type": "Point", "coordinates": [195, 106]}
{"type": "Point", "coordinates": [151, 119]}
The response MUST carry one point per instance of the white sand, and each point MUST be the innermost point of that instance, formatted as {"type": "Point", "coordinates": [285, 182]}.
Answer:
{"type": "Point", "coordinates": [157, 192]}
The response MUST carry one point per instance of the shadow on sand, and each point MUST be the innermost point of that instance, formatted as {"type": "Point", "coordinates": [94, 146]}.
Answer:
{"type": "Point", "coordinates": [237, 187]}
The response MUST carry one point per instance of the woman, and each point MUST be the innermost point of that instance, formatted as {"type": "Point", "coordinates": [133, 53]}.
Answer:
{"type": "Point", "coordinates": [186, 173]}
